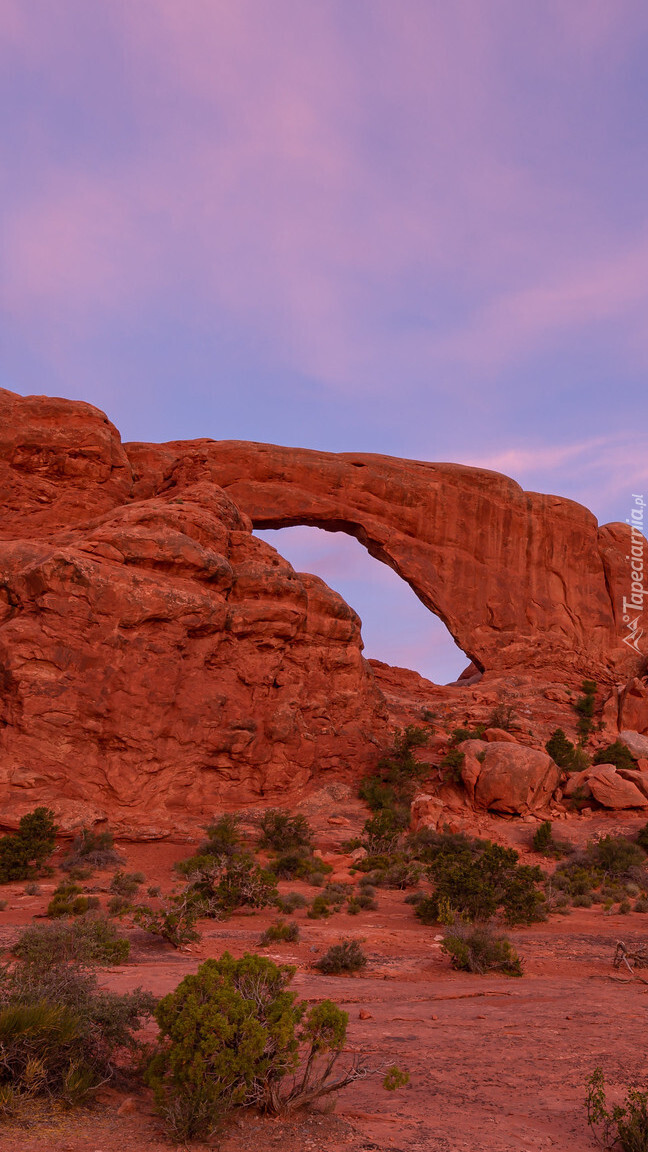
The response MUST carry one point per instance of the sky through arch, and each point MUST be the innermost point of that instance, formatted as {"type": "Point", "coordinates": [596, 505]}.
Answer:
{"type": "Point", "coordinates": [396, 627]}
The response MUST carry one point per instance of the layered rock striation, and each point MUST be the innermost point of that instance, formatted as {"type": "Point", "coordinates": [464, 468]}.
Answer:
{"type": "Point", "coordinates": [158, 661]}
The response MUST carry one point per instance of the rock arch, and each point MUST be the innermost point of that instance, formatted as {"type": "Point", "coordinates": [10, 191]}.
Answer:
{"type": "Point", "coordinates": [520, 579]}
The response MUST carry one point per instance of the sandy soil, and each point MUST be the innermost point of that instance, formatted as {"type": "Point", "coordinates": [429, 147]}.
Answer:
{"type": "Point", "coordinates": [496, 1064]}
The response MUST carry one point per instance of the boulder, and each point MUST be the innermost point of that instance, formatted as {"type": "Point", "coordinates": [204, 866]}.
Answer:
{"type": "Point", "coordinates": [612, 790]}
{"type": "Point", "coordinates": [638, 778]}
{"type": "Point", "coordinates": [471, 768]}
{"type": "Point", "coordinates": [515, 779]}
{"type": "Point", "coordinates": [635, 741]}
{"type": "Point", "coordinates": [578, 782]}
{"type": "Point", "coordinates": [499, 736]}
{"type": "Point", "coordinates": [425, 812]}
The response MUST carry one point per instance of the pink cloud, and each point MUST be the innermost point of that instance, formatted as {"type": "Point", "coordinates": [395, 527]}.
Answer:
{"type": "Point", "coordinates": [271, 187]}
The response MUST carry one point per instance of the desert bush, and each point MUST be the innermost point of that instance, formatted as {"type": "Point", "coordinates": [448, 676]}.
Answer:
{"type": "Point", "coordinates": [394, 1078]}
{"type": "Point", "coordinates": [458, 735]}
{"type": "Point", "coordinates": [383, 831]}
{"type": "Point", "coordinates": [92, 850]}
{"type": "Point", "coordinates": [118, 906]}
{"type": "Point", "coordinates": [218, 886]}
{"type": "Point", "coordinates": [624, 1125]}
{"type": "Point", "coordinates": [403, 873]}
{"type": "Point", "coordinates": [23, 853]}
{"type": "Point", "coordinates": [544, 842]}
{"type": "Point", "coordinates": [290, 902]}
{"type": "Point", "coordinates": [174, 921]}
{"type": "Point", "coordinates": [296, 863]}
{"type": "Point", "coordinates": [280, 932]}
{"type": "Point", "coordinates": [565, 754]}
{"type": "Point", "coordinates": [391, 785]}
{"type": "Point", "coordinates": [281, 832]}
{"type": "Point", "coordinates": [347, 956]}
{"type": "Point", "coordinates": [502, 717]}
{"type": "Point", "coordinates": [244, 884]}
{"type": "Point", "coordinates": [616, 754]}
{"type": "Point", "coordinates": [61, 1036]}
{"type": "Point", "coordinates": [615, 855]}
{"type": "Point", "coordinates": [87, 942]}
{"type": "Point", "coordinates": [126, 883]}
{"type": "Point", "coordinates": [642, 838]}
{"type": "Point", "coordinates": [230, 1036]}
{"type": "Point", "coordinates": [69, 900]}
{"type": "Point", "coordinates": [584, 708]}
{"type": "Point", "coordinates": [223, 837]}
{"type": "Point", "coordinates": [451, 765]}
{"type": "Point", "coordinates": [474, 879]}
{"type": "Point", "coordinates": [320, 909]}
{"type": "Point", "coordinates": [476, 948]}
{"type": "Point", "coordinates": [641, 905]}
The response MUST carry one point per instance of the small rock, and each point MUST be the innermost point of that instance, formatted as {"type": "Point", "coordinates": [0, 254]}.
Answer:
{"type": "Point", "coordinates": [126, 1106]}
{"type": "Point", "coordinates": [364, 1015]}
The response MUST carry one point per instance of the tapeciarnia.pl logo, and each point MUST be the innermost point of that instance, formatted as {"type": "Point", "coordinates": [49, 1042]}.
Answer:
{"type": "Point", "coordinates": [633, 604]}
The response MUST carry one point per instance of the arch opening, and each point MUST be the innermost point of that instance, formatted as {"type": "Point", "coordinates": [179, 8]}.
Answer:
{"type": "Point", "coordinates": [397, 628]}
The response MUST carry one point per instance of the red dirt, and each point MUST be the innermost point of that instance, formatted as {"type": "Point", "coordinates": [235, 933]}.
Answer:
{"type": "Point", "coordinates": [496, 1064]}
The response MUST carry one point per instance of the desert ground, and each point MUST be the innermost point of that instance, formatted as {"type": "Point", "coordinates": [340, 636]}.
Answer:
{"type": "Point", "coordinates": [496, 1064]}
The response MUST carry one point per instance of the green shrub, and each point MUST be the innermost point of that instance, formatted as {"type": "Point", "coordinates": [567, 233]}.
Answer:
{"type": "Point", "coordinates": [347, 956]}
{"type": "Point", "coordinates": [61, 1036]}
{"type": "Point", "coordinates": [562, 751]}
{"type": "Point", "coordinates": [320, 909]}
{"type": "Point", "coordinates": [290, 902]}
{"type": "Point", "coordinates": [615, 855]}
{"type": "Point", "coordinates": [475, 948]}
{"type": "Point", "coordinates": [174, 921]}
{"type": "Point", "coordinates": [383, 831]}
{"type": "Point", "coordinates": [543, 837]}
{"type": "Point", "coordinates": [118, 906]}
{"type": "Point", "coordinates": [625, 1125]}
{"type": "Point", "coordinates": [391, 784]}
{"type": "Point", "coordinates": [394, 1078]}
{"type": "Point", "coordinates": [87, 942]}
{"type": "Point", "coordinates": [296, 863]}
{"type": "Point", "coordinates": [452, 764]}
{"type": "Point", "coordinates": [68, 900]}
{"type": "Point", "coordinates": [502, 717]}
{"type": "Point", "coordinates": [642, 838]}
{"type": "Point", "coordinates": [282, 832]}
{"type": "Point", "coordinates": [458, 735]}
{"type": "Point", "coordinates": [475, 880]}
{"type": "Point", "coordinates": [23, 854]}
{"type": "Point", "coordinates": [245, 884]}
{"type": "Point", "coordinates": [230, 1035]}
{"type": "Point", "coordinates": [616, 754]}
{"type": "Point", "coordinates": [126, 883]}
{"type": "Point", "coordinates": [280, 932]}
{"type": "Point", "coordinates": [224, 837]}
{"type": "Point", "coordinates": [584, 707]}
{"type": "Point", "coordinates": [92, 850]}
{"type": "Point", "coordinates": [544, 843]}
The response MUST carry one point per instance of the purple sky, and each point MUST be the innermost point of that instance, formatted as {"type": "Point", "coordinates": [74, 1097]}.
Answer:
{"type": "Point", "coordinates": [417, 228]}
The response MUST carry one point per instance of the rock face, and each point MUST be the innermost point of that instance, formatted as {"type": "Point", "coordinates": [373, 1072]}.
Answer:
{"type": "Point", "coordinates": [157, 661]}
{"type": "Point", "coordinates": [515, 779]}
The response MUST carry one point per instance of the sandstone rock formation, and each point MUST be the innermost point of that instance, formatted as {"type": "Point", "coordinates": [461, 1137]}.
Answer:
{"type": "Point", "coordinates": [613, 791]}
{"type": "Point", "coordinates": [157, 661]}
{"type": "Point", "coordinates": [519, 578]}
{"type": "Point", "coordinates": [515, 779]}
